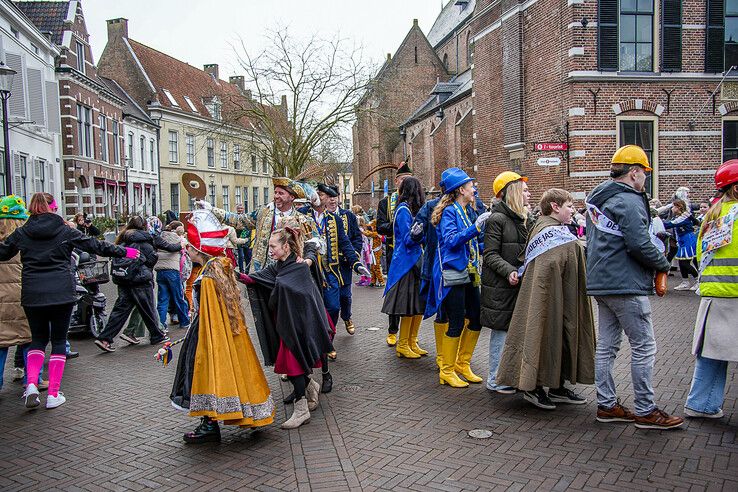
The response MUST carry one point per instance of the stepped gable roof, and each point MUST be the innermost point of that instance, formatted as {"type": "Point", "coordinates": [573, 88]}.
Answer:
{"type": "Point", "coordinates": [130, 108]}
{"type": "Point", "coordinates": [180, 79]}
{"type": "Point", "coordinates": [454, 14]}
{"type": "Point", "coordinates": [442, 95]}
{"type": "Point", "coordinates": [47, 16]}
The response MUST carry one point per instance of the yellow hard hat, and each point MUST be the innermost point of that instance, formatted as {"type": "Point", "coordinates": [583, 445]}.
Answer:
{"type": "Point", "coordinates": [631, 155]}
{"type": "Point", "coordinates": [505, 178]}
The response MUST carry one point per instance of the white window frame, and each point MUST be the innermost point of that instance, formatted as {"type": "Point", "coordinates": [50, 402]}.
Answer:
{"type": "Point", "coordinates": [210, 148]}
{"type": "Point", "coordinates": [236, 156]}
{"type": "Point", "coordinates": [173, 146]}
{"type": "Point", "coordinates": [142, 146]}
{"type": "Point", "coordinates": [103, 137]}
{"type": "Point", "coordinates": [129, 158]}
{"type": "Point", "coordinates": [225, 190]}
{"type": "Point", "coordinates": [224, 155]}
{"type": "Point", "coordinates": [655, 152]}
{"type": "Point", "coordinates": [190, 144]}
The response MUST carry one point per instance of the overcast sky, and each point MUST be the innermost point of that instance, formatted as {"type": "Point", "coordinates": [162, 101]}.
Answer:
{"type": "Point", "coordinates": [201, 32]}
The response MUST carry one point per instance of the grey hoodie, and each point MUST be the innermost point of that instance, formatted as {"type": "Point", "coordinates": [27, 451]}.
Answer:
{"type": "Point", "coordinates": [621, 265]}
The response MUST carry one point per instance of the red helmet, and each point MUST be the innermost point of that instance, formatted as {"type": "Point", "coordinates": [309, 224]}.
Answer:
{"type": "Point", "coordinates": [726, 174]}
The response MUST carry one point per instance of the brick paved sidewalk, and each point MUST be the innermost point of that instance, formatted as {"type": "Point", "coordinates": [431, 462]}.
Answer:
{"type": "Point", "coordinates": [387, 425]}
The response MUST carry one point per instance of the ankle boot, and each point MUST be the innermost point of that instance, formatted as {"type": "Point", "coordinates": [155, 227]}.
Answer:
{"type": "Point", "coordinates": [414, 330]}
{"type": "Point", "coordinates": [467, 343]}
{"type": "Point", "coordinates": [327, 385]}
{"type": "Point", "coordinates": [300, 415]}
{"type": "Point", "coordinates": [311, 393]}
{"type": "Point", "coordinates": [207, 431]}
{"type": "Point", "coordinates": [447, 374]}
{"type": "Point", "coordinates": [440, 330]}
{"type": "Point", "coordinates": [403, 342]}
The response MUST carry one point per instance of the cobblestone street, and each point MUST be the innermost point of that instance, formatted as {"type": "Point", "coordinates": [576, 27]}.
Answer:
{"type": "Point", "coordinates": [386, 425]}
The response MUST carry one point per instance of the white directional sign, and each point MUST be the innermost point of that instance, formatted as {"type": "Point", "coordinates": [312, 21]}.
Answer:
{"type": "Point", "coordinates": [549, 161]}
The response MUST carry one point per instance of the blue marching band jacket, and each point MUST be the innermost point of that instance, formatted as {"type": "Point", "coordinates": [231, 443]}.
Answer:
{"type": "Point", "coordinates": [337, 244]}
{"type": "Point", "coordinates": [351, 228]}
{"type": "Point", "coordinates": [407, 252]}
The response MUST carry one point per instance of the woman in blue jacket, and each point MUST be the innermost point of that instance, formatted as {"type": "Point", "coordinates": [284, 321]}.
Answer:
{"type": "Point", "coordinates": [457, 274]}
{"type": "Point", "coordinates": [402, 294]}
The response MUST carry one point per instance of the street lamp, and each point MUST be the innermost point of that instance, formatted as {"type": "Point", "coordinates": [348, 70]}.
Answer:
{"type": "Point", "coordinates": [6, 83]}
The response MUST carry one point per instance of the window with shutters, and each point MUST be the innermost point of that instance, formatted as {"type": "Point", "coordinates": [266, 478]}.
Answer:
{"type": "Point", "coordinates": [731, 34]}
{"type": "Point", "coordinates": [17, 101]}
{"type": "Point", "coordinates": [36, 96]}
{"type": "Point", "coordinates": [52, 107]}
{"type": "Point", "coordinates": [640, 133]}
{"type": "Point", "coordinates": [730, 139]}
{"type": "Point", "coordinates": [636, 35]}
{"type": "Point", "coordinates": [103, 138]}
{"type": "Point", "coordinates": [607, 35]}
{"type": "Point", "coordinates": [20, 174]}
{"type": "Point", "coordinates": [671, 35]}
{"type": "Point", "coordinates": [39, 175]}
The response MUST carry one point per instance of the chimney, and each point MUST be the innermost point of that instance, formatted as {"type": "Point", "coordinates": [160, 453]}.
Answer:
{"type": "Point", "coordinates": [212, 69]}
{"type": "Point", "coordinates": [389, 57]}
{"type": "Point", "coordinates": [117, 28]}
{"type": "Point", "coordinates": [283, 106]}
{"type": "Point", "coordinates": [415, 22]}
{"type": "Point", "coordinates": [238, 81]}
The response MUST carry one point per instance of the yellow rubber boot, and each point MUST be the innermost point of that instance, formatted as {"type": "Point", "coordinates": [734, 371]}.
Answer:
{"type": "Point", "coordinates": [403, 342]}
{"type": "Point", "coordinates": [440, 330]}
{"type": "Point", "coordinates": [448, 356]}
{"type": "Point", "coordinates": [414, 336]}
{"type": "Point", "coordinates": [466, 349]}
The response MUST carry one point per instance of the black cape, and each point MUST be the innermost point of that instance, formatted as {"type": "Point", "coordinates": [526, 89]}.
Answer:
{"type": "Point", "coordinates": [182, 386]}
{"type": "Point", "coordinates": [288, 306]}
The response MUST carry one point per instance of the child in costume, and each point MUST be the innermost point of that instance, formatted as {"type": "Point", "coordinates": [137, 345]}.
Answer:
{"type": "Point", "coordinates": [551, 338]}
{"type": "Point", "coordinates": [370, 231]}
{"type": "Point", "coordinates": [219, 376]}
{"type": "Point", "coordinates": [290, 317]}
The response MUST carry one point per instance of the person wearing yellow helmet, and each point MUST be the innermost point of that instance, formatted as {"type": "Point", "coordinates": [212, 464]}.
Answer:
{"type": "Point", "coordinates": [505, 236]}
{"type": "Point", "coordinates": [622, 257]}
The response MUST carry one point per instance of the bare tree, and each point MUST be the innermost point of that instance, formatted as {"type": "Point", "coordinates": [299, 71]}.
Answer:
{"type": "Point", "coordinates": [303, 96]}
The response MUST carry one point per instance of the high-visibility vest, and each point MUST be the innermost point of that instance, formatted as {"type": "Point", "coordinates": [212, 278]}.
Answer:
{"type": "Point", "coordinates": [720, 276]}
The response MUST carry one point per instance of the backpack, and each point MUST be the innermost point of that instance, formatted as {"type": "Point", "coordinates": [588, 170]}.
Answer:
{"type": "Point", "coordinates": [130, 271]}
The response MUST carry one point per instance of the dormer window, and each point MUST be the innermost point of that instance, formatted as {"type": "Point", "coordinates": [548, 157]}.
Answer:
{"type": "Point", "coordinates": [169, 95]}
{"type": "Point", "coordinates": [191, 104]}
{"type": "Point", "coordinates": [214, 107]}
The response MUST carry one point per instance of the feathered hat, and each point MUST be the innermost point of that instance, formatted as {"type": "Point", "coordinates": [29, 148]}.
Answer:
{"type": "Point", "coordinates": [206, 234]}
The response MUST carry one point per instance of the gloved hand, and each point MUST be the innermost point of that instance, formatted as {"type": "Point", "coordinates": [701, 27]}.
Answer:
{"type": "Point", "coordinates": [362, 270]}
{"type": "Point", "coordinates": [132, 253]}
{"type": "Point", "coordinates": [481, 220]}
{"type": "Point", "coordinates": [416, 229]}
{"type": "Point", "coordinates": [205, 205]}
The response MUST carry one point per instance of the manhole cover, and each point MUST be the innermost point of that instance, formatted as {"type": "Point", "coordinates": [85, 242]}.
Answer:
{"type": "Point", "coordinates": [480, 434]}
{"type": "Point", "coordinates": [351, 388]}
{"type": "Point", "coordinates": [373, 328]}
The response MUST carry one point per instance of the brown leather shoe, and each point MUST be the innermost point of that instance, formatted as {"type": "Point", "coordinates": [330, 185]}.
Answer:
{"type": "Point", "coordinates": [350, 328]}
{"type": "Point", "coordinates": [658, 419]}
{"type": "Point", "coordinates": [617, 413]}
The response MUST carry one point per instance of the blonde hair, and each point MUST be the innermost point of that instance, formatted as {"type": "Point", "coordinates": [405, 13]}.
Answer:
{"type": "Point", "coordinates": [731, 195]}
{"type": "Point", "coordinates": [220, 269]}
{"type": "Point", "coordinates": [445, 201]}
{"type": "Point", "coordinates": [512, 195]}
{"type": "Point", "coordinates": [7, 226]}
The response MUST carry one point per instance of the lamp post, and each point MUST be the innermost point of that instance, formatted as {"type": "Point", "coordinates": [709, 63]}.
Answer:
{"type": "Point", "coordinates": [6, 83]}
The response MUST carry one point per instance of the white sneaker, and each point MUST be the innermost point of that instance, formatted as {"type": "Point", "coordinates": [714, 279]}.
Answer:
{"type": "Point", "coordinates": [18, 373]}
{"type": "Point", "coordinates": [55, 401]}
{"type": "Point", "coordinates": [695, 286]}
{"type": "Point", "coordinates": [30, 396]}
{"type": "Point", "coordinates": [685, 285]}
{"type": "Point", "coordinates": [702, 415]}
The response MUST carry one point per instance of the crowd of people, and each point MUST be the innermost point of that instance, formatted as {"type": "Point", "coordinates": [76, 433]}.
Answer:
{"type": "Point", "coordinates": [528, 272]}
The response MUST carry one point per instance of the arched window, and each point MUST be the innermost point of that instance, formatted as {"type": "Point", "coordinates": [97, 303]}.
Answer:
{"type": "Point", "coordinates": [416, 54]}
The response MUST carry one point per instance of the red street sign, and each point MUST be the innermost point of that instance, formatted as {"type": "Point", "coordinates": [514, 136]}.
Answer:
{"type": "Point", "coordinates": [550, 146]}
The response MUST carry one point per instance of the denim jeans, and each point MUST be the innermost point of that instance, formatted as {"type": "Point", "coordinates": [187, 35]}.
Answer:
{"type": "Point", "coordinates": [708, 385]}
{"type": "Point", "coordinates": [496, 344]}
{"type": "Point", "coordinates": [632, 315]}
{"type": "Point", "coordinates": [170, 289]}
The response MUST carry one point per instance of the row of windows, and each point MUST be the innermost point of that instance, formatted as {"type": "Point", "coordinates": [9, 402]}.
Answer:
{"type": "Point", "coordinates": [86, 140]}
{"type": "Point", "coordinates": [223, 156]}
{"type": "Point", "coordinates": [241, 197]}
{"type": "Point", "coordinates": [627, 29]}
{"type": "Point", "coordinates": [145, 164]}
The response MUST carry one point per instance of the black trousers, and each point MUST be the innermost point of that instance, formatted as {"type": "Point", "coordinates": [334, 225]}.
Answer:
{"type": "Point", "coordinates": [394, 321]}
{"type": "Point", "coordinates": [141, 297]}
{"type": "Point", "coordinates": [49, 323]}
{"type": "Point", "coordinates": [461, 303]}
{"type": "Point", "coordinates": [687, 268]}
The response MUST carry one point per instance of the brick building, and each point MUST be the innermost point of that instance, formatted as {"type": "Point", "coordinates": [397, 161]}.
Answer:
{"type": "Point", "coordinates": [593, 74]}
{"type": "Point", "coordinates": [91, 116]}
{"type": "Point", "coordinates": [198, 132]}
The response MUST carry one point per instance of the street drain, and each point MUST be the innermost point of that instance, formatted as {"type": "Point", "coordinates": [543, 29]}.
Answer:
{"type": "Point", "coordinates": [351, 388]}
{"type": "Point", "coordinates": [480, 434]}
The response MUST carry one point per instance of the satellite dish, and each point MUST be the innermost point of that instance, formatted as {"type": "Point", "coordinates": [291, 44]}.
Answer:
{"type": "Point", "coordinates": [194, 185]}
